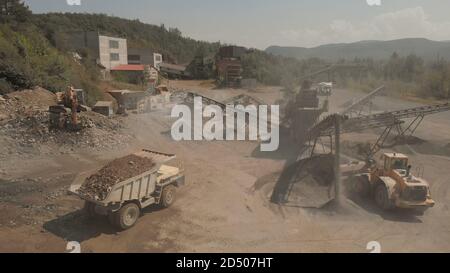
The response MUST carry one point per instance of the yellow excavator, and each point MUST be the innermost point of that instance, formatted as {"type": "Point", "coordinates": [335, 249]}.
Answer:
{"type": "Point", "coordinates": [68, 105]}
{"type": "Point", "coordinates": [392, 185]}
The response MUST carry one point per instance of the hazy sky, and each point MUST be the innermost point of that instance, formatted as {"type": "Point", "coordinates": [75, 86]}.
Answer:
{"type": "Point", "coordinates": [261, 23]}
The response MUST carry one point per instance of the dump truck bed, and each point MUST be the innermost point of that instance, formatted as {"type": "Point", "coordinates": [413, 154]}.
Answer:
{"type": "Point", "coordinates": [134, 188]}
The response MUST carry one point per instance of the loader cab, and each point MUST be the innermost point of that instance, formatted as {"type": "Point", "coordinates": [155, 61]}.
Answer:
{"type": "Point", "coordinates": [394, 161]}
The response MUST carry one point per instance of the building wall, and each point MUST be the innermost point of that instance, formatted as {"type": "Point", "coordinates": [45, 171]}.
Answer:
{"type": "Point", "coordinates": [97, 44]}
{"type": "Point", "coordinates": [104, 110]}
{"type": "Point", "coordinates": [107, 51]}
{"type": "Point", "coordinates": [232, 51]}
{"type": "Point", "coordinates": [140, 56]}
{"type": "Point", "coordinates": [157, 60]}
{"type": "Point", "coordinates": [144, 56]}
{"type": "Point", "coordinates": [229, 71]}
{"type": "Point", "coordinates": [78, 40]}
{"type": "Point", "coordinates": [128, 99]}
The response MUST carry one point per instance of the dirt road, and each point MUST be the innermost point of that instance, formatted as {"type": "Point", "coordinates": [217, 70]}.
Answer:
{"type": "Point", "coordinates": [225, 206]}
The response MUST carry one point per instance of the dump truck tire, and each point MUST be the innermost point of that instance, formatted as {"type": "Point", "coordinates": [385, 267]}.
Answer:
{"type": "Point", "coordinates": [382, 197]}
{"type": "Point", "coordinates": [126, 217]}
{"type": "Point", "coordinates": [168, 196]}
{"type": "Point", "coordinates": [112, 219]}
{"type": "Point", "coordinates": [89, 209]}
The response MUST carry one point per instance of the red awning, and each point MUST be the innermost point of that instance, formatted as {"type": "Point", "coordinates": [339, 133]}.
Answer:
{"type": "Point", "coordinates": [129, 67]}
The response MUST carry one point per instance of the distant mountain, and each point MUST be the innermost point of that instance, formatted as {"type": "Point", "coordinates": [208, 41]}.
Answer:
{"type": "Point", "coordinates": [377, 50]}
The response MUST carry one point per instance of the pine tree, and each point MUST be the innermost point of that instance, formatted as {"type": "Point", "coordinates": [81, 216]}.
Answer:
{"type": "Point", "coordinates": [14, 11]}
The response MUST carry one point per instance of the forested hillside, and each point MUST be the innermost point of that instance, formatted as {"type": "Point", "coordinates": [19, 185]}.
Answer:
{"type": "Point", "coordinates": [268, 69]}
{"type": "Point", "coordinates": [168, 41]}
{"type": "Point", "coordinates": [30, 55]}
{"type": "Point", "coordinates": [28, 58]}
{"type": "Point", "coordinates": [377, 50]}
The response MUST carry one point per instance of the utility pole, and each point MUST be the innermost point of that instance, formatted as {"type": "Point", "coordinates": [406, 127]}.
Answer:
{"type": "Point", "coordinates": [337, 158]}
{"type": "Point", "coordinates": [448, 93]}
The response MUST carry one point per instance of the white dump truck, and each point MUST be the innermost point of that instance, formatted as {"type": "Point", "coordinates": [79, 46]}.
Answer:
{"type": "Point", "coordinates": [124, 201]}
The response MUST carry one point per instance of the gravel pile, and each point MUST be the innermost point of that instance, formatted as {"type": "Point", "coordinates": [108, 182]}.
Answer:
{"type": "Point", "coordinates": [99, 185]}
{"type": "Point", "coordinates": [24, 127]}
{"type": "Point", "coordinates": [306, 183]}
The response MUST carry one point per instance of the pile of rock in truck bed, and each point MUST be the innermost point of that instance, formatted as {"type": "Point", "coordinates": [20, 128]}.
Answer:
{"type": "Point", "coordinates": [99, 185]}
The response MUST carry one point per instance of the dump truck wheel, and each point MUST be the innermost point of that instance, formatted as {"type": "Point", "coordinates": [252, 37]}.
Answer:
{"type": "Point", "coordinates": [89, 209]}
{"type": "Point", "coordinates": [112, 217]}
{"type": "Point", "coordinates": [168, 196]}
{"type": "Point", "coordinates": [382, 197]}
{"type": "Point", "coordinates": [127, 216]}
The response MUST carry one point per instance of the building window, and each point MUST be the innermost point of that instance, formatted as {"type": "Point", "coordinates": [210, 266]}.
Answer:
{"type": "Point", "coordinates": [113, 44]}
{"type": "Point", "coordinates": [134, 59]}
{"type": "Point", "coordinates": [158, 58]}
{"type": "Point", "coordinates": [114, 57]}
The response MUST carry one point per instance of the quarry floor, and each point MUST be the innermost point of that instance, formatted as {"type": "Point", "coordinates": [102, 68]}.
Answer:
{"type": "Point", "coordinates": [225, 206]}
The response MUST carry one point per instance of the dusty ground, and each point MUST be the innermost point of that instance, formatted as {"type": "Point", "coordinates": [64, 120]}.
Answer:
{"type": "Point", "coordinates": [225, 206]}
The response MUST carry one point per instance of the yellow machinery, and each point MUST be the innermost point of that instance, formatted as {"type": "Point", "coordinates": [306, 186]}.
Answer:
{"type": "Point", "coordinates": [393, 185]}
{"type": "Point", "coordinates": [68, 105]}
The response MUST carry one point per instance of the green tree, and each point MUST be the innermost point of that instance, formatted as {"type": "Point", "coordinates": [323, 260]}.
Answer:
{"type": "Point", "coordinates": [14, 11]}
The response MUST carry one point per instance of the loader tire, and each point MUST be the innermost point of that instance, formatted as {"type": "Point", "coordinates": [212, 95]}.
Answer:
{"type": "Point", "coordinates": [382, 198]}
{"type": "Point", "coordinates": [168, 196]}
{"type": "Point", "coordinates": [126, 217]}
{"type": "Point", "coordinates": [362, 186]}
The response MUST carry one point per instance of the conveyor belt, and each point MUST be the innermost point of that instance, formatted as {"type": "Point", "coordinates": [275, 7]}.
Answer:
{"type": "Point", "coordinates": [386, 119]}
{"type": "Point", "coordinates": [357, 105]}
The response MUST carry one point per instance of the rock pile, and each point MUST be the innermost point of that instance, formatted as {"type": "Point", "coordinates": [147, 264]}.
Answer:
{"type": "Point", "coordinates": [99, 185]}
{"type": "Point", "coordinates": [24, 125]}
{"type": "Point", "coordinates": [306, 183]}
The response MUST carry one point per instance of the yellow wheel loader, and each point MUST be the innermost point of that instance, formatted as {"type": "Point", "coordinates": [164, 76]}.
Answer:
{"type": "Point", "coordinates": [393, 185]}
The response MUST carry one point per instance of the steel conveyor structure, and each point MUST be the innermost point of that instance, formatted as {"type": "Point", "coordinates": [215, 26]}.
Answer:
{"type": "Point", "coordinates": [387, 120]}
{"type": "Point", "coordinates": [357, 106]}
